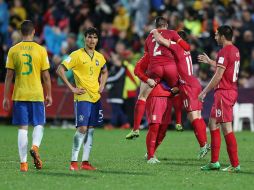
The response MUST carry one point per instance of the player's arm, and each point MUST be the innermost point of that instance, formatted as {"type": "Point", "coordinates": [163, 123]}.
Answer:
{"type": "Point", "coordinates": [61, 73]}
{"type": "Point", "coordinates": [47, 86]}
{"type": "Point", "coordinates": [203, 58]}
{"type": "Point", "coordinates": [140, 70]}
{"type": "Point", "coordinates": [7, 89]}
{"type": "Point", "coordinates": [214, 82]}
{"type": "Point", "coordinates": [103, 78]}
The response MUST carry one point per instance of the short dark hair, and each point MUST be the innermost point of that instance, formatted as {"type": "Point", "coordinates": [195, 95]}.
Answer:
{"type": "Point", "coordinates": [91, 30]}
{"type": "Point", "coordinates": [183, 35]}
{"type": "Point", "coordinates": [160, 22]}
{"type": "Point", "coordinates": [27, 27]}
{"type": "Point", "coordinates": [226, 31]}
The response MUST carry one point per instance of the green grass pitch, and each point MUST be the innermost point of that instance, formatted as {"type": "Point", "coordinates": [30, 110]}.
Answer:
{"type": "Point", "coordinates": [121, 163]}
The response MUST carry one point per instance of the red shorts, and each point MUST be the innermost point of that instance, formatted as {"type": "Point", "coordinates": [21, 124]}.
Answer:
{"type": "Point", "coordinates": [222, 109]}
{"type": "Point", "coordinates": [189, 95]}
{"type": "Point", "coordinates": [158, 110]}
{"type": "Point", "coordinates": [167, 73]}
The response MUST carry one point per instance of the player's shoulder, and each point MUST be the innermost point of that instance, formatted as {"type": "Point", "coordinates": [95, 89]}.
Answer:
{"type": "Point", "coordinates": [77, 52]}
{"type": "Point", "coordinates": [99, 55]}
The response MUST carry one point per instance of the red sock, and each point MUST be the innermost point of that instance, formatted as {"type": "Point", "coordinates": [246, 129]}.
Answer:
{"type": "Point", "coordinates": [161, 135]}
{"type": "Point", "coordinates": [138, 113]}
{"type": "Point", "coordinates": [151, 139]}
{"type": "Point", "coordinates": [232, 148]}
{"type": "Point", "coordinates": [203, 127]}
{"type": "Point", "coordinates": [199, 132]}
{"type": "Point", "coordinates": [215, 145]}
{"type": "Point", "coordinates": [177, 103]}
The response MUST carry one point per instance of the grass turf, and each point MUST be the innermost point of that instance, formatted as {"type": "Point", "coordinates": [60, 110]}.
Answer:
{"type": "Point", "coordinates": [121, 163]}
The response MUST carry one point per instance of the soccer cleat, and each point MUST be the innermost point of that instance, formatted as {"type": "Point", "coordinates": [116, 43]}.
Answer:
{"type": "Point", "coordinates": [23, 167]}
{"type": "Point", "coordinates": [153, 160]}
{"type": "Point", "coordinates": [179, 127]}
{"type": "Point", "coordinates": [87, 166]}
{"type": "Point", "coordinates": [232, 169]}
{"type": "Point", "coordinates": [211, 166]}
{"type": "Point", "coordinates": [132, 135]}
{"type": "Point", "coordinates": [34, 151]}
{"type": "Point", "coordinates": [74, 166]}
{"type": "Point", "coordinates": [146, 155]}
{"type": "Point", "coordinates": [204, 150]}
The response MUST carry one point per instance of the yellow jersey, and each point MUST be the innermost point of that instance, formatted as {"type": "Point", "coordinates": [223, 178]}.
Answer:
{"type": "Point", "coordinates": [86, 71]}
{"type": "Point", "coordinates": [28, 59]}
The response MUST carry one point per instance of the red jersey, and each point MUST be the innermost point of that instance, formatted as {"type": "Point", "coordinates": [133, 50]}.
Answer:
{"type": "Point", "coordinates": [184, 65]}
{"type": "Point", "coordinates": [229, 59]}
{"type": "Point", "coordinates": [140, 72]}
{"type": "Point", "coordinates": [159, 54]}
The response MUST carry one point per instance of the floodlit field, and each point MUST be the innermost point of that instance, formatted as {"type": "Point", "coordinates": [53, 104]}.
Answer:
{"type": "Point", "coordinates": [121, 163]}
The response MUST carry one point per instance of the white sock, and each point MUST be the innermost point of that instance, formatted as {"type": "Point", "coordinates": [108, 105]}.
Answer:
{"type": "Point", "coordinates": [77, 142]}
{"type": "Point", "coordinates": [37, 135]}
{"type": "Point", "coordinates": [22, 144]}
{"type": "Point", "coordinates": [88, 144]}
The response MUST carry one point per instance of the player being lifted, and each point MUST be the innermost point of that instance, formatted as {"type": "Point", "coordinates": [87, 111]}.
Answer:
{"type": "Point", "coordinates": [224, 82]}
{"type": "Point", "coordinates": [161, 67]}
{"type": "Point", "coordinates": [90, 75]}
{"type": "Point", "coordinates": [189, 89]}
{"type": "Point", "coordinates": [29, 62]}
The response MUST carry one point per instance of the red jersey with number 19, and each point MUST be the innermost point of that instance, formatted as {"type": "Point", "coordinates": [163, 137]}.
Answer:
{"type": "Point", "coordinates": [159, 54]}
{"type": "Point", "coordinates": [229, 59]}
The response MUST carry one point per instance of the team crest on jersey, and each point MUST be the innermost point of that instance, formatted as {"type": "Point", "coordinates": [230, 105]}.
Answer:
{"type": "Point", "coordinates": [81, 118]}
{"type": "Point", "coordinates": [97, 63]}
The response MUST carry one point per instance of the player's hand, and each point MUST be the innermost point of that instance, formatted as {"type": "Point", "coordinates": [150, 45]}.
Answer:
{"type": "Point", "coordinates": [48, 101]}
{"type": "Point", "coordinates": [6, 104]}
{"type": "Point", "coordinates": [151, 82]}
{"type": "Point", "coordinates": [202, 96]}
{"type": "Point", "coordinates": [78, 91]}
{"type": "Point", "coordinates": [154, 31]}
{"type": "Point", "coordinates": [203, 58]}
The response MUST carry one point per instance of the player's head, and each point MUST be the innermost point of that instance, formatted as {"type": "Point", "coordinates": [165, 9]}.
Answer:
{"type": "Point", "coordinates": [161, 22]}
{"type": "Point", "coordinates": [223, 33]}
{"type": "Point", "coordinates": [27, 28]}
{"type": "Point", "coordinates": [91, 36]}
{"type": "Point", "coordinates": [183, 35]}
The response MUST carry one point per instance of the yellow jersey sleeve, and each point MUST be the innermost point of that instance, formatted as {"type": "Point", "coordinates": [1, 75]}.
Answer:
{"type": "Point", "coordinates": [9, 61]}
{"type": "Point", "coordinates": [69, 62]}
{"type": "Point", "coordinates": [45, 60]}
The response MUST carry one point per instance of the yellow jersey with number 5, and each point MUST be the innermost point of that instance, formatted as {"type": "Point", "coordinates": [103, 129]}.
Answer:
{"type": "Point", "coordinates": [86, 72]}
{"type": "Point", "coordinates": [28, 59]}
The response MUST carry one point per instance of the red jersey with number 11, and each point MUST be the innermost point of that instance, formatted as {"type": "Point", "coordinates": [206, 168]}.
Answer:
{"type": "Point", "coordinates": [229, 59]}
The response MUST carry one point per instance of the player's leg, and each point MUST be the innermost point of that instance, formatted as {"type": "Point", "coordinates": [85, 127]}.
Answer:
{"type": "Point", "coordinates": [177, 104]}
{"type": "Point", "coordinates": [215, 144]}
{"type": "Point", "coordinates": [37, 113]}
{"type": "Point", "coordinates": [96, 119]}
{"type": "Point", "coordinates": [139, 109]}
{"type": "Point", "coordinates": [82, 114]}
{"type": "Point", "coordinates": [20, 118]}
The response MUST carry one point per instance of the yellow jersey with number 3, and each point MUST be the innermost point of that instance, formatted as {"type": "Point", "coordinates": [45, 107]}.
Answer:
{"type": "Point", "coordinates": [28, 59]}
{"type": "Point", "coordinates": [86, 72]}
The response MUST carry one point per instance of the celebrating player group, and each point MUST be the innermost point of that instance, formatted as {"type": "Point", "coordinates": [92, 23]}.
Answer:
{"type": "Point", "coordinates": [167, 80]}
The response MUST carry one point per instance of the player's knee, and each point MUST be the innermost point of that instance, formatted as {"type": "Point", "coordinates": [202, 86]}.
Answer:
{"type": "Point", "coordinates": [82, 129]}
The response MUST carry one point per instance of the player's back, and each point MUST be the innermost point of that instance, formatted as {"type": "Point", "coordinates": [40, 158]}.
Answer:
{"type": "Point", "coordinates": [229, 58]}
{"type": "Point", "coordinates": [184, 65]}
{"type": "Point", "coordinates": [159, 54]}
{"type": "Point", "coordinates": [28, 59]}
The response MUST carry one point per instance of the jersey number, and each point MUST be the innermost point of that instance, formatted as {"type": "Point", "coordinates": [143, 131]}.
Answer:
{"type": "Point", "coordinates": [155, 50]}
{"type": "Point", "coordinates": [189, 65]}
{"type": "Point", "coordinates": [236, 71]}
{"type": "Point", "coordinates": [91, 71]}
{"type": "Point", "coordinates": [28, 64]}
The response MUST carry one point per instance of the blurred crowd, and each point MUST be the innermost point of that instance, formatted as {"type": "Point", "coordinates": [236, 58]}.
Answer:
{"type": "Point", "coordinates": [123, 26]}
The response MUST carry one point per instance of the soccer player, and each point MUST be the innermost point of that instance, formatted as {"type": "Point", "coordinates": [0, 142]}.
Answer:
{"type": "Point", "coordinates": [90, 75]}
{"type": "Point", "coordinates": [189, 89]}
{"type": "Point", "coordinates": [224, 82]}
{"type": "Point", "coordinates": [162, 67]}
{"type": "Point", "coordinates": [29, 62]}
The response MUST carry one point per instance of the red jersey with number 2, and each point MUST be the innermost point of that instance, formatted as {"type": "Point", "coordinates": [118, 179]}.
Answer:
{"type": "Point", "coordinates": [159, 54]}
{"type": "Point", "coordinates": [229, 59]}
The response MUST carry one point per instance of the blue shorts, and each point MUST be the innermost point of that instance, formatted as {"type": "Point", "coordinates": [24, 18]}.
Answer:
{"type": "Point", "coordinates": [88, 114]}
{"type": "Point", "coordinates": [28, 113]}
